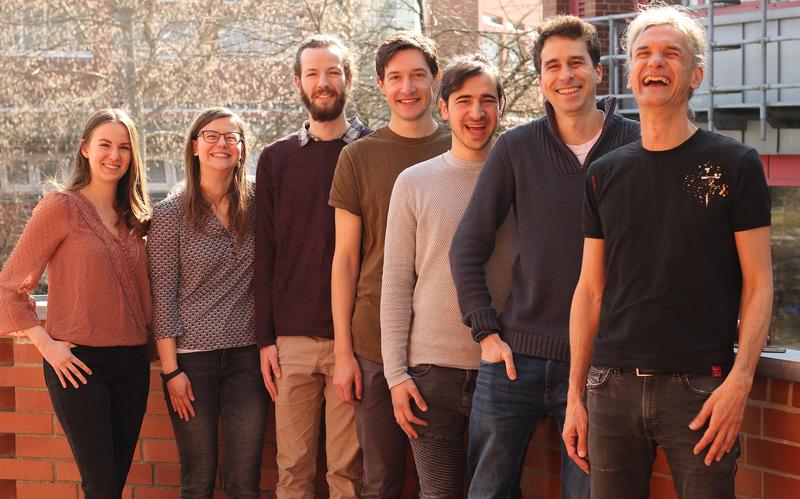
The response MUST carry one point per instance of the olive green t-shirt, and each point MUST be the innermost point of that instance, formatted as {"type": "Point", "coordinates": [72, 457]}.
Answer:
{"type": "Point", "coordinates": [362, 185]}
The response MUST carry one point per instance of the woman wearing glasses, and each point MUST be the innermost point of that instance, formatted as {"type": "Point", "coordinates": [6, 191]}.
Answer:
{"type": "Point", "coordinates": [200, 248]}
{"type": "Point", "coordinates": [90, 237]}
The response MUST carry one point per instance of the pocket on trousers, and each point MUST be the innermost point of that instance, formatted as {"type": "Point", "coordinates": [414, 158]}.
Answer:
{"type": "Point", "coordinates": [597, 377]}
{"type": "Point", "coordinates": [486, 363]}
{"type": "Point", "coordinates": [419, 370]}
{"type": "Point", "coordinates": [702, 386]}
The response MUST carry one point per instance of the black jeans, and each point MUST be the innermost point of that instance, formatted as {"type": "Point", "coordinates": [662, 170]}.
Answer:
{"type": "Point", "coordinates": [225, 382]}
{"type": "Point", "coordinates": [630, 415]}
{"type": "Point", "coordinates": [102, 419]}
{"type": "Point", "coordinates": [439, 452]}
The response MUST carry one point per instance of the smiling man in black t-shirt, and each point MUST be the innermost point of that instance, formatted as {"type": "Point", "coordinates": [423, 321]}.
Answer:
{"type": "Point", "coordinates": [677, 249]}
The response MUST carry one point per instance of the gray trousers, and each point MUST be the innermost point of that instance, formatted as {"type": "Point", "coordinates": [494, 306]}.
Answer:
{"type": "Point", "coordinates": [439, 452]}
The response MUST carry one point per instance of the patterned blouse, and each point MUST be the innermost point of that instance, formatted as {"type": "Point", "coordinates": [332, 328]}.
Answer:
{"type": "Point", "coordinates": [201, 281]}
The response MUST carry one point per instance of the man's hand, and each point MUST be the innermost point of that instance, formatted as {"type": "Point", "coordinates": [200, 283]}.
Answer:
{"type": "Point", "coordinates": [724, 411]}
{"type": "Point", "coordinates": [401, 394]}
{"type": "Point", "coordinates": [576, 427]}
{"type": "Point", "coordinates": [347, 379]}
{"type": "Point", "coordinates": [494, 349]}
{"type": "Point", "coordinates": [270, 369]}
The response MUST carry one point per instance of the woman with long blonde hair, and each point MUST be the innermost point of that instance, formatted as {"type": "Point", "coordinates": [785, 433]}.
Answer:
{"type": "Point", "coordinates": [200, 249]}
{"type": "Point", "coordinates": [90, 236]}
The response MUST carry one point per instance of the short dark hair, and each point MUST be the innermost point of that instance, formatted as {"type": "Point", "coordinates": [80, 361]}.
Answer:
{"type": "Point", "coordinates": [465, 67]}
{"type": "Point", "coordinates": [406, 40]}
{"type": "Point", "coordinates": [324, 41]}
{"type": "Point", "coordinates": [571, 27]}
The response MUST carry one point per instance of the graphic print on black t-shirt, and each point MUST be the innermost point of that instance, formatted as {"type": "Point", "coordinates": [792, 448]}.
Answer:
{"type": "Point", "coordinates": [673, 280]}
{"type": "Point", "coordinates": [706, 183]}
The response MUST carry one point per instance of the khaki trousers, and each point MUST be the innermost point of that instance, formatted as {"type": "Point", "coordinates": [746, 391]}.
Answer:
{"type": "Point", "coordinates": [306, 382]}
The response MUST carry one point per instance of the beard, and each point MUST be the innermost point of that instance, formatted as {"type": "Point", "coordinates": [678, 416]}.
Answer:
{"type": "Point", "coordinates": [325, 113]}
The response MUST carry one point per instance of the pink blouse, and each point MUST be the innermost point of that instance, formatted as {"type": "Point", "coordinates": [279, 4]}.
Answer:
{"type": "Point", "coordinates": [98, 289]}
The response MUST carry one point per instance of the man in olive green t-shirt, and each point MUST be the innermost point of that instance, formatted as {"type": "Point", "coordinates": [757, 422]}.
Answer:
{"type": "Point", "coordinates": [407, 69]}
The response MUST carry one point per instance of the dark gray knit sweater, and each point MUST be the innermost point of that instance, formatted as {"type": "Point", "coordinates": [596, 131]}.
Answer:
{"type": "Point", "coordinates": [532, 170]}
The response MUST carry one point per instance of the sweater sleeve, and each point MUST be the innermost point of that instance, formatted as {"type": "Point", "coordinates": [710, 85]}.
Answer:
{"type": "Point", "coordinates": [264, 262]}
{"type": "Point", "coordinates": [163, 254]}
{"type": "Point", "coordinates": [44, 232]}
{"type": "Point", "coordinates": [399, 278]}
{"type": "Point", "coordinates": [473, 242]}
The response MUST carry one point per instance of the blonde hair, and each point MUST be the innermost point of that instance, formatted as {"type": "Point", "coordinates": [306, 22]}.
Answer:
{"type": "Point", "coordinates": [680, 18]}
{"type": "Point", "coordinates": [131, 200]}
{"type": "Point", "coordinates": [194, 206]}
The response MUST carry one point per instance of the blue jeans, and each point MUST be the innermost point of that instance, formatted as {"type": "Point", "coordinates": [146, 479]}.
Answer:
{"type": "Point", "coordinates": [630, 415]}
{"type": "Point", "coordinates": [505, 414]}
{"type": "Point", "coordinates": [225, 382]}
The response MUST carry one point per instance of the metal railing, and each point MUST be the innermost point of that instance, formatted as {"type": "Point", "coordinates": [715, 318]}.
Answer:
{"type": "Point", "coordinates": [616, 60]}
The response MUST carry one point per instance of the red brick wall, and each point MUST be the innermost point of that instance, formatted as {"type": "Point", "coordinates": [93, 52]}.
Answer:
{"type": "Point", "coordinates": [35, 460]}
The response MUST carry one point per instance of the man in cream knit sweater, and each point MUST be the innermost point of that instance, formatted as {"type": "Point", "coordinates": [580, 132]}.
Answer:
{"type": "Point", "coordinates": [429, 358]}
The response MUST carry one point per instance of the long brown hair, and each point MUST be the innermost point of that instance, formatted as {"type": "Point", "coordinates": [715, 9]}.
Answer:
{"type": "Point", "coordinates": [194, 206]}
{"type": "Point", "coordinates": [131, 200]}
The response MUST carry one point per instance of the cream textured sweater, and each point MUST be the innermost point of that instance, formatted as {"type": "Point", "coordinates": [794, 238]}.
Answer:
{"type": "Point", "coordinates": [420, 318]}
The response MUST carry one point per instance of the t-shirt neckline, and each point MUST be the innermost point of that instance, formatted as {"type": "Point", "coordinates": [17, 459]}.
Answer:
{"type": "Point", "coordinates": [686, 143]}
{"type": "Point", "coordinates": [413, 140]}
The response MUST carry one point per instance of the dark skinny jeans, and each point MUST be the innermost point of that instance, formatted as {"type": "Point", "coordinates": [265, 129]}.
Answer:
{"type": "Point", "coordinates": [102, 419]}
{"type": "Point", "coordinates": [630, 415]}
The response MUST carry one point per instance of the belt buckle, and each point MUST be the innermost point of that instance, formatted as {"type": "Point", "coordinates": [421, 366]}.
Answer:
{"type": "Point", "coordinates": [643, 375]}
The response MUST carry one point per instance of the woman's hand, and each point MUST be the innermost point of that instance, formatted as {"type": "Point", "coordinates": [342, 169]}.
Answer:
{"type": "Point", "coordinates": [59, 355]}
{"type": "Point", "coordinates": [181, 396]}
{"type": "Point", "coordinates": [67, 367]}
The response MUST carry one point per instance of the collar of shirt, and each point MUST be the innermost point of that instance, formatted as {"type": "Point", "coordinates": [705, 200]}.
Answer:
{"type": "Point", "coordinates": [353, 132]}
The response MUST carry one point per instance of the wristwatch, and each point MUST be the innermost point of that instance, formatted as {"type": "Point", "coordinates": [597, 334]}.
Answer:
{"type": "Point", "coordinates": [481, 334]}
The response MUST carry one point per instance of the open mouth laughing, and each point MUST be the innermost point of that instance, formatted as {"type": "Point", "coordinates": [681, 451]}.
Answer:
{"type": "Point", "coordinates": [477, 129]}
{"type": "Point", "coordinates": [661, 81]}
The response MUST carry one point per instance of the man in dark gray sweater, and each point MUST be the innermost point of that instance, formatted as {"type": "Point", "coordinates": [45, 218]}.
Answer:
{"type": "Point", "coordinates": [538, 169]}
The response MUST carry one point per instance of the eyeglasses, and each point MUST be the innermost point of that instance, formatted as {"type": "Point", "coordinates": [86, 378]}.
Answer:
{"type": "Point", "coordinates": [212, 137]}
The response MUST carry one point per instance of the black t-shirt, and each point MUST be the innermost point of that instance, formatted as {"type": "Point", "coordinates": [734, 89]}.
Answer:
{"type": "Point", "coordinates": [673, 280]}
